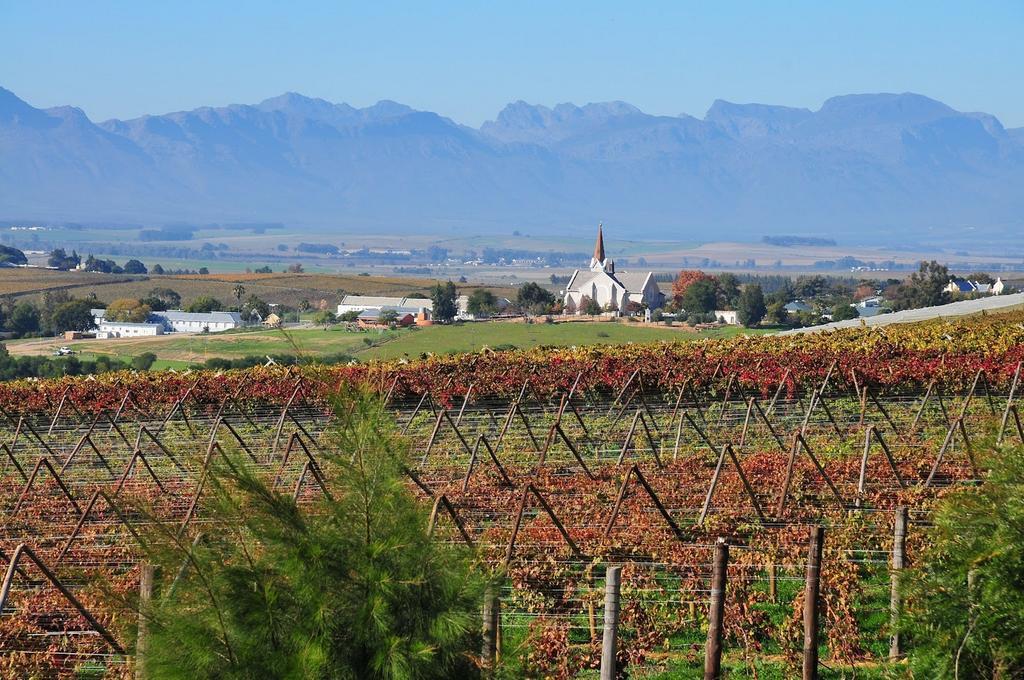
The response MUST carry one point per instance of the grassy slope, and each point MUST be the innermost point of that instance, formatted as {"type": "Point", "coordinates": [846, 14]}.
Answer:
{"type": "Point", "coordinates": [178, 350]}
{"type": "Point", "coordinates": [472, 337]}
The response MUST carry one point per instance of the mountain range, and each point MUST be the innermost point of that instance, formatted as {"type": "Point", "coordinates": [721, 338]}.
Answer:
{"type": "Point", "coordinates": [868, 167]}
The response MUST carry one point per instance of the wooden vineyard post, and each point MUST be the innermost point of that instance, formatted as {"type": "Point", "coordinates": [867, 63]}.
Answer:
{"type": "Point", "coordinates": [716, 612]}
{"type": "Point", "coordinates": [1009, 404]}
{"type": "Point", "coordinates": [612, 582]}
{"type": "Point", "coordinates": [492, 612]}
{"type": "Point", "coordinates": [146, 572]}
{"type": "Point", "coordinates": [899, 556]}
{"type": "Point", "coordinates": [811, 592]}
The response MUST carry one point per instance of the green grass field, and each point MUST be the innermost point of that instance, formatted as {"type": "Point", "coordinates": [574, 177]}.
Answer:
{"type": "Point", "coordinates": [473, 337]}
{"type": "Point", "coordinates": [179, 351]}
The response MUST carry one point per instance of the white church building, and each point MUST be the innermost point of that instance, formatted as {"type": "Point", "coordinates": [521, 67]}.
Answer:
{"type": "Point", "coordinates": [608, 287]}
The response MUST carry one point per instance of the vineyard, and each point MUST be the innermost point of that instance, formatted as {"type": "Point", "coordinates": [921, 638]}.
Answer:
{"type": "Point", "coordinates": [553, 465]}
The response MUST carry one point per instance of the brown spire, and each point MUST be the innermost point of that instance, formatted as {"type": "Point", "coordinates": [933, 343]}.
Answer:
{"type": "Point", "coordinates": [599, 246]}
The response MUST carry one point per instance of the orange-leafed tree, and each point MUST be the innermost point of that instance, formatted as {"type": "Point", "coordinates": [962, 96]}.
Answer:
{"type": "Point", "coordinates": [684, 280]}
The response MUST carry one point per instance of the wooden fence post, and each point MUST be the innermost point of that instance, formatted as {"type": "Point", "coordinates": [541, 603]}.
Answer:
{"type": "Point", "coordinates": [713, 649]}
{"type": "Point", "coordinates": [899, 555]}
{"type": "Point", "coordinates": [811, 591]}
{"type": "Point", "coordinates": [146, 572]}
{"type": "Point", "coordinates": [492, 611]}
{"type": "Point", "coordinates": [612, 581]}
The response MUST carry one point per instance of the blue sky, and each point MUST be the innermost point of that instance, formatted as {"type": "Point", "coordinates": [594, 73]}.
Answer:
{"type": "Point", "coordinates": [467, 60]}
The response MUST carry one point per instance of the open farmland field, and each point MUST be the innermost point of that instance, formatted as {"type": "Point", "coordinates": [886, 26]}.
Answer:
{"type": "Point", "coordinates": [177, 350]}
{"type": "Point", "coordinates": [288, 289]}
{"type": "Point", "coordinates": [550, 466]}
{"type": "Point", "coordinates": [476, 336]}
{"type": "Point", "coordinates": [26, 281]}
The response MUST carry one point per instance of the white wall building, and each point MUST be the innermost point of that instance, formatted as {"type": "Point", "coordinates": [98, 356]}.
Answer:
{"type": "Point", "coordinates": [610, 288]}
{"type": "Point", "coordinates": [728, 316]}
{"type": "Point", "coordinates": [967, 287]}
{"type": "Point", "coordinates": [177, 321]}
{"type": "Point", "coordinates": [119, 329]}
{"type": "Point", "coordinates": [362, 303]}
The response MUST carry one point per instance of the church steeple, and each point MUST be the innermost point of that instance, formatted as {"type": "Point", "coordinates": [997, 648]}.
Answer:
{"type": "Point", "coordinates": [599, 246]}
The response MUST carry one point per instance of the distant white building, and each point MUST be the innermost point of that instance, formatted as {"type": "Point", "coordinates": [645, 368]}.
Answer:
{"type": "Point", "coordinates": [123, 329]}
{"type": "Point", "coordinates": [871, 306]}
{"type": "Point", "coordinates": [727, 316]}
{"type": "Point", "coordinates": [362, 303]}
{"type": "Point", "coordinates": [375, 303]}
{"type": "Point", "coordinates": [797, 306]}
{"type": "Point", "coordinates": [966, 287]}
{"type": "Point", "coordinates": [177, 321]}
{"type": "Point", "coordinates": [607, 287]}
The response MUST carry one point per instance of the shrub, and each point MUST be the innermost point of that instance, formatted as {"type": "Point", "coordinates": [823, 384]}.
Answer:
{"type": "Point", "coordinates": [350, 585]}
{"type": "Point", "coordinates": [144, 361]}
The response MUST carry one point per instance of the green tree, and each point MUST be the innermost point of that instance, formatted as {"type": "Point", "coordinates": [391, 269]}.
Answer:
{"type": "Point", "coordinates": [162, 299]}
{"type": "Point", "coordinates": [590, 306]}
{"type": "Point", "coordinates": [325, 318]}
{"type": "Point", "coordinates": [144, 361]}
{"type": "Point", "coordinates": [61, 260]}
{"type": "Point", "coordinates": [24, 319]}
{"type": "Point", "coordinates": [12, 255]}
{"type": "Point", "coordinates": [777, 313]}
{"type": "Point", "coordinates": [750, 307]}
{"type": "Point", "coordinates": [239, 291]}
{"type": "Point", "coordinates": [204, 304]}
{"type": "Point", "coordinates": [443, 296]}
{"type": "Point", "coordinates": [965, 599]}
{"type": "Point", "coordinates": [73, 315]}
{"type": "Point", "coordinates": [127, 309]}
{"type": "Point", "coordinates": [134, 267]}
{"type": "Point", "coordinates": [482, 303]}
{"type": "Point", "coordinates": [158, 269]}
{"type": "Point", "coordinates": [348, 585]}
{"type": "Point", "coordinates": [728, 291]}
{"type": "Point", "coordinates": [254, 307]}
{"type": "Point", "coordinates": [923, 288]}
{"type": "Point", "coordinates": [843, 312]}
{"type": "Point", "coordinates": [349, 316]}
{"type": "Point", "coordinates": [700, 297]}
{"type": "Point", "coordinates": [533, 298]}
{"type": "Point", "coordinates": [388, 316]}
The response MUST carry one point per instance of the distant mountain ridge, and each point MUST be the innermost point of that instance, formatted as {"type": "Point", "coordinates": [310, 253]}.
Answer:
{"type": "Point", "coordinates": [862, 167]}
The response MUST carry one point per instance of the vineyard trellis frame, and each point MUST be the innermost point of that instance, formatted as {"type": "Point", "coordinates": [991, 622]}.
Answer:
{"type": "Point", "coordinates": [258, 430]}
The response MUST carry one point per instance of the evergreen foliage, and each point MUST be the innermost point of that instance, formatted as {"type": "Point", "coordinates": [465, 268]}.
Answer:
{"type": "Point", "coordinates": [750, 308]}
{"type": "Point", "coordinates": [972, 631]}
{"type": "Point", "coordinates": [348, 586]}
{"type": "Point", "coordinates": [443, 296]}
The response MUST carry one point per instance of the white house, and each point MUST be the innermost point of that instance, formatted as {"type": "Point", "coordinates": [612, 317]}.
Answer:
{"type": "Point", "coordinates": [871, 306]}
{"type": "Point", "coordinates": [177, 321]}
{"type": "Point", "coordinates": [197, 322]}
{"type": "Point", "coordinates": [362, 303]}
{"type": "Point", "coordinates": [375, 303]}
{"type": "Point", "coordinates": [966, 287]}
{"type": "Point", "coordinates": [609, 288]}
{"type": "Point", "coordinates": [119, 329]}
{"type": "Point", "coordinates": [728, 316]}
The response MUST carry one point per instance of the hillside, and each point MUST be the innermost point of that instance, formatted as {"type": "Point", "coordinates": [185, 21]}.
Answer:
{"type": "Point", "coordinates": [855, 169]}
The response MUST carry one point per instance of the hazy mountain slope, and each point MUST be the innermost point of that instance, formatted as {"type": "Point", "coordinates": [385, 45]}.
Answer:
{"type": "Point", "coordinates": [858, 168]}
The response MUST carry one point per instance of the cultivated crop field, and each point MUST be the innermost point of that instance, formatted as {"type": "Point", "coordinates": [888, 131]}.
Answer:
{"type": "Point", "coordinates": [553, 465]}
{"type": "Point", "coordinates": [280, 288]}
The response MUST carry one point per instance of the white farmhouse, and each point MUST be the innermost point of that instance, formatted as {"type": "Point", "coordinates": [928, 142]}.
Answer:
{"type": "Point", "coordinates": [173, 321]}
{"type": "Point", "coordinates": [363, 303]}
{"type": "Point", "coordinates": [124, 329]}
{"type": "Point", "coordinates": [610, 289]}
